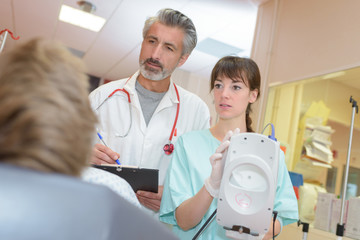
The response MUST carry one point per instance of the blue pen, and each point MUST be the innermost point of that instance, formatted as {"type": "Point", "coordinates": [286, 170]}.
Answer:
{"type": "Point", "coordinates": [102, 140]}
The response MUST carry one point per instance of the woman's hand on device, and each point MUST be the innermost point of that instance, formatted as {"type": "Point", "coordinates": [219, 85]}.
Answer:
{"type": "Point", "coordinates": [212, 183]}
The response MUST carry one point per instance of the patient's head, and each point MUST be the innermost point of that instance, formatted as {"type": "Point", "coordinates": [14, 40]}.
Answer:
{"type": "Point", "coordinates": [46, 122]}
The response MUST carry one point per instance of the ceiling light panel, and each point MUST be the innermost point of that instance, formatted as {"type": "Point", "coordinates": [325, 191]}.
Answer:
{"type": "Point", "coordinates": [80, 18]}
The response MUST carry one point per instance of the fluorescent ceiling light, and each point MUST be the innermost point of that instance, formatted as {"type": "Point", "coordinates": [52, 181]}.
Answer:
{"type": "Point", "coordinates": [80, 18]}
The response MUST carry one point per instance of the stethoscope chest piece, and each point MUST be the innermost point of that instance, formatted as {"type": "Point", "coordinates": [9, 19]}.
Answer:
{"type": "Point", "coordinates": [168, 148]}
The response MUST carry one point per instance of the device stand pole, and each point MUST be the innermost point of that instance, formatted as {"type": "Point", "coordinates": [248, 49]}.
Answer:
{"type": "Point", "coordinates": [305, 228]}
{"type": "Point", "coordinates": [340, 226]}
{"type": "Point", "coordinates": [3, 41]}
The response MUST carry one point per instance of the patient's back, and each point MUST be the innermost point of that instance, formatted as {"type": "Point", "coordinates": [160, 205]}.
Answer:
{"type": "Point", "coordinates": [35, 205]}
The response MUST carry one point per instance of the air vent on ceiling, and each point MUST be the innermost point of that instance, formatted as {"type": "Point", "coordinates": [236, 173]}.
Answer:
{"type": "Point", "coordinates": [76, 52]}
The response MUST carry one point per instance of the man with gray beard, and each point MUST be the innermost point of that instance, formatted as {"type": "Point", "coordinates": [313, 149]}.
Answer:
{"type": "Point", "coordinates": [141, 117]}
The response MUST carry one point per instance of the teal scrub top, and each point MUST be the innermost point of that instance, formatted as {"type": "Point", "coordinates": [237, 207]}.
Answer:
{"type": "Point", "coordinates": [187, 172]}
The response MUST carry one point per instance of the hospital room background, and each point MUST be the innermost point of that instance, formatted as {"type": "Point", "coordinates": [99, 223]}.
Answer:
{"type": "Point", "coordinates": [309, 57]}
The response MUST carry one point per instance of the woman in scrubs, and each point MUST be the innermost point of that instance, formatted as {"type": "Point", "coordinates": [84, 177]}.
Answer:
{"type": "Point", "coordinates": [192, 182]}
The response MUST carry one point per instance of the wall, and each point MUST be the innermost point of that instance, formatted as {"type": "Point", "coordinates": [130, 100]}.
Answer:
{"type": "Point", "coordinates": [315, 37]}
{"type": "Point", "coordinates": [300, 39]}
{"type": "Point", "coordinates": [340, 140]}
{"type": "Point", "coordinates": [283, 111]}
{"type": "Point", "coordinates": [286, 103]}
{"type": "Point", "coordinates": [198, 85]}
{"type": "Point", "coordinates": [336, 96]}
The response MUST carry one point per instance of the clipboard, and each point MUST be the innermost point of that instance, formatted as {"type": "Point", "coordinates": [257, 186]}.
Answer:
{"type": "Point", "coordinates": [145, 179]}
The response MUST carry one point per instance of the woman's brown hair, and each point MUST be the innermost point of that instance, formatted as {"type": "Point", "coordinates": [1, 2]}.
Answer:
{"type": "Point", "coordinates": [239, 69]}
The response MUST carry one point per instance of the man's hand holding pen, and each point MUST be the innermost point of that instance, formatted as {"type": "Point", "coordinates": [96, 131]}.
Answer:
{"type": "Point", "coordinates": [101, 154]}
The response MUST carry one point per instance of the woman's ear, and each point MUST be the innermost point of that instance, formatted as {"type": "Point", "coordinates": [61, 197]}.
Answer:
{"type": "Point", "coordinates": [253, 95]}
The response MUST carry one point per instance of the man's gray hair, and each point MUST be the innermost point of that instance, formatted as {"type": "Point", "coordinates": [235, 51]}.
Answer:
{"type": "Point", "coordinates": [173, 18]}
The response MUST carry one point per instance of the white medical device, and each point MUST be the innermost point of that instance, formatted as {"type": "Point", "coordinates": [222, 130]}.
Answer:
{"type": "Point", "coordinates": [248, 186]}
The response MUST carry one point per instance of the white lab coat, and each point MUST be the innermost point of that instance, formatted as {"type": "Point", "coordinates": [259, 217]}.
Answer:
{"type": "Point", "coordinates": [143, 146]}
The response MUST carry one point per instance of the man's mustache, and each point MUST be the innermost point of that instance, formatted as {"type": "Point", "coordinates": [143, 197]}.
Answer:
{"type": "Point", "coordinates": [155, 62]}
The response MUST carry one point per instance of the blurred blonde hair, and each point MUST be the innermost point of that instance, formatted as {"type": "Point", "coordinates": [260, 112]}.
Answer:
{"type": "Point", "coordinates": [46, 122]}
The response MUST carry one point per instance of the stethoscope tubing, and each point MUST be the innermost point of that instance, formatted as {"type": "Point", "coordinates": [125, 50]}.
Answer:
{"type": "Point", "coordinates": [167, 150]}
{"type": "Point", "coordinates": [129, 104]}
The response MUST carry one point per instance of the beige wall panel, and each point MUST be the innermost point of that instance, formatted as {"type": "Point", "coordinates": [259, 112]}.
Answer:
{"type": "Point", "coordinates": [315, 37]}
{"type": "Point", "coordinates": [307, 38]}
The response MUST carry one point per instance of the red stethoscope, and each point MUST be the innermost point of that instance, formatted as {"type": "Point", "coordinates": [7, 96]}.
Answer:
{"type": "Point", "coordinates": [169, 147]}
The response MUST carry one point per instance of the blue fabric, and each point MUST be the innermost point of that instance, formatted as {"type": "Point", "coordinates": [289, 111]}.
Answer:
{"type": "Point", "coordinates": [187, 172]}
{"type": "Point", "coordinates": [296, 179]}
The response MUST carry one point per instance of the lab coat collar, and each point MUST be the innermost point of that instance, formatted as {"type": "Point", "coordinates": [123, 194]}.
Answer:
{"type": "Point", "coordinates": [169, 99]}
{"type": "Point", "coordinates": [130, 83]}
{"type": "Point", "coordinates": [171, 93]}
